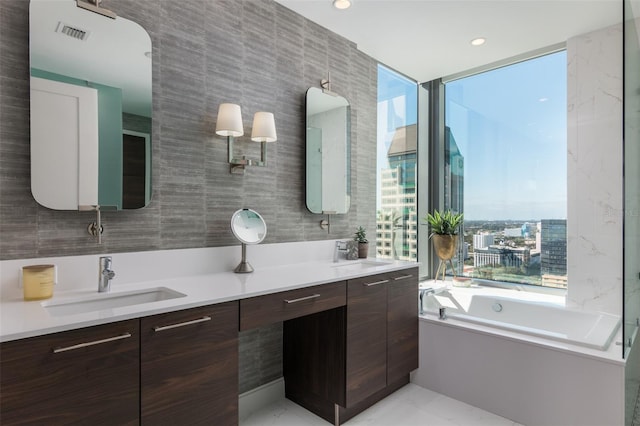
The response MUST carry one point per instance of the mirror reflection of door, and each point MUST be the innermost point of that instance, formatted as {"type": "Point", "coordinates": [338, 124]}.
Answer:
{"type": "Point", "coordinates": [135, 170]}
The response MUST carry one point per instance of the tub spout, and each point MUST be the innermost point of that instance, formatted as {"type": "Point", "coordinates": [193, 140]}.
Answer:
{"type": "Point", "coordinates": [422, 293]}
{"type": "Point", "coordinates": [442, 313]}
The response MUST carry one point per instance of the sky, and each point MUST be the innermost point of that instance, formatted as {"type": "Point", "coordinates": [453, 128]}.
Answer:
{"type": "Point", "coordinates": [510, 126]}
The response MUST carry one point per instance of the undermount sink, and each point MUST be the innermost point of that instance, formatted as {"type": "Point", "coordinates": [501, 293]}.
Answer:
{"type": "Point", "coordinates": [98, 302]}
{"type": "Point", "coordinates": [361, 264]}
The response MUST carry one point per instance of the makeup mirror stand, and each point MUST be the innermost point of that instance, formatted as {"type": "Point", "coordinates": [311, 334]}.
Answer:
{"type": "Point", "coordinates": [243, 267]}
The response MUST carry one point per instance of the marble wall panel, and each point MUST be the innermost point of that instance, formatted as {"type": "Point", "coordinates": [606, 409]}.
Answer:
{"type": "Point", "coordinates": [594, 170]}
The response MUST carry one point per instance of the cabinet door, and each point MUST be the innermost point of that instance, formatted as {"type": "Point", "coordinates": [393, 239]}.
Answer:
{"type": "Point", "coordinates": [189, 363]}
{"type": "Point", "coordinates": [366, 356]}
{"type": "Point", "coordinates": [402, 324]}
{"type": "Point", "coordinates": [85, 376]}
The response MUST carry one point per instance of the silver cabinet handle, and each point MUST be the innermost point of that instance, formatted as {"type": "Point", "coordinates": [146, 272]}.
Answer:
{"type": "Point", "coordinates": [375, 283]}
{"type": "Point", "coordinates": [403, 277]}
{"type": "Point", "coordinates": [95, 342]}
{"type": "Point", "coordinates": [181, 324]}
{"type": "Point", "coordinates": [300, 299]}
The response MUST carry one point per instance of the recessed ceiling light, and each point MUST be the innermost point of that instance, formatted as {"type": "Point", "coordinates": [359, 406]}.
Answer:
{"type": "Point", "coordinates": [342, 4]}
{"type": "Point", "coordinates": [478, 41]}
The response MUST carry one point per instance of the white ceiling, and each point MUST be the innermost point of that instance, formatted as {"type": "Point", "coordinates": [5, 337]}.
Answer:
{"type": "Point", "coordinates": [113, 54]}
{"type": "Point", "coordinates": [428, 39]}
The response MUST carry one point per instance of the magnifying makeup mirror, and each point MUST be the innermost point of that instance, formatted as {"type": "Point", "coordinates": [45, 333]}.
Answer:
{"type": "Point", "coordinates": [249, 228]}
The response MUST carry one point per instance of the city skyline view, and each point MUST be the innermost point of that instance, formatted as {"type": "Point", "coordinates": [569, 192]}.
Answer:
{"type": "Point", "coordinates": [504, 167]}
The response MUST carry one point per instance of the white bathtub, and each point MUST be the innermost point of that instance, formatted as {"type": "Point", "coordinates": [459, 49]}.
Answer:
{"type": "Point", "coordinates": [537, 318]}
{"type": "Point", "coordinates": [534, 362]}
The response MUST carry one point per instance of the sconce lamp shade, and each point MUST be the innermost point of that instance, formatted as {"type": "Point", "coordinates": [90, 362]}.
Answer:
{"type": "Point", "coordinates": [229, 121]}
{"type": "Point", "coordinates": [264, 127]}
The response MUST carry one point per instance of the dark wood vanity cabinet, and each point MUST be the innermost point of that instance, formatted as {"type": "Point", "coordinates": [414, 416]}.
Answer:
{"type": "Point", "coordinates": [366, 337]}
{"type": "Point", "coordinates": [346, 345]}
{"type": "Point", "coordinates": [88, 376]}
{"type": "Point", "coordinates": [402, 324]}
{"type": "Point", "coordinates": [177, 368]}
{"type": "Point", "coordinates": [341, 361]}
{"type": "Point", "coordinates": [189, 367]}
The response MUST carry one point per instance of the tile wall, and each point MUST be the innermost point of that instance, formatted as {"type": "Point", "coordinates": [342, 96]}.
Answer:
{"type": "Point", "coordinates": [255, 53]}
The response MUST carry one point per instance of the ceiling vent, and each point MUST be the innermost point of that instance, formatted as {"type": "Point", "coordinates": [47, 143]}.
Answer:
{"type": "Point", "coordinates": [72, 31]}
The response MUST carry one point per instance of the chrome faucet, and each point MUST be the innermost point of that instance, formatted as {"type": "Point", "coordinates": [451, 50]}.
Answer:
{"type": "Point", "coordinates": [105, 274]}
{"type": "Point", "coordinates": [340, 246]}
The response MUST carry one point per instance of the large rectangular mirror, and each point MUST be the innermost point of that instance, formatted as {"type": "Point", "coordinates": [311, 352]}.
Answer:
{"type": "Point", "coordinates": [90, 108]}
{"type": "Point", "coordinates": [328, 145]}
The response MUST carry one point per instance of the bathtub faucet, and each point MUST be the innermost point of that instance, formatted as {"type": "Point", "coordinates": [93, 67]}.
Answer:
{"type": "Point", "coordinates": [423, 292]}
{"type": "Point", "coordinates": [442, 313]}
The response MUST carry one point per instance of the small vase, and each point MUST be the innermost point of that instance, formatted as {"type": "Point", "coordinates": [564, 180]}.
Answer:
{"type": "Point", "coordinates": [352, 250]}
{"type": "Point", "coordinates": [445, 248]}
{"type": "Point", "coordinates": [445, 245]}
{"type": "Point", "coordinates": [363, 250]}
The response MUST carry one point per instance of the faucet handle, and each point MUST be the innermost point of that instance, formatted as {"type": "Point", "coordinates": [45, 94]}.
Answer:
{"type": "Point", "coordinates": [105, 262]}
{"type": "Point", "coordinates": [105, 274]}
{"type": "Point", "coordinates": [105, 267]}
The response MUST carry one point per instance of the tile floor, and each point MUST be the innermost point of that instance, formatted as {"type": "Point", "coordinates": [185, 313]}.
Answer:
{"type": "Point", "coordinates": [409, 406]}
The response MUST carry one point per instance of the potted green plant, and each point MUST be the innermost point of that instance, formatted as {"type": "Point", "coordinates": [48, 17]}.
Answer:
{"type": "Point", "coordinates": [363, 243]}
{"type": "Point", "coordinates": [444, 230]}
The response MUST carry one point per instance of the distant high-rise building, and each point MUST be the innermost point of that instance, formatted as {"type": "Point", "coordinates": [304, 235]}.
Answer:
{"type": "Point", "coordinates": [397, 223]}
{"type": "Point", "coordinates": [553, 247]}
{"type": "Point", "coordinates": [496, 255]}
{"type": "Point", "coordinates": [512, 232]}
{"type": "Point", "coordinates": [482, 240]}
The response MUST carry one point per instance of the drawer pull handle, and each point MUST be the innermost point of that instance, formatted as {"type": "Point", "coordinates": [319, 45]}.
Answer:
{"type": "Point", "coordinates": [180, 324]}
{"type": "Point", "coordinates": [301, 299]}
{"type": "Point", "coordinates": [95, 342]}
{"type": "Point", "coordinates": [375, 283]}
{"type": "Point", "coordinates": [402, 277]}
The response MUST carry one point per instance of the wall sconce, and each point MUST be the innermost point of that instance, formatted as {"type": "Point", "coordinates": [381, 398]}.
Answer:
{"type": "Point", "coordinates": [229, 124]}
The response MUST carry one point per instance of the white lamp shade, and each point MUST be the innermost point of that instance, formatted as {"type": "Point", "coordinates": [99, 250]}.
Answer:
{"type": "Point", "coordinates": [264, 127]}
{"type": "Point", "coordinates": [229, 121]}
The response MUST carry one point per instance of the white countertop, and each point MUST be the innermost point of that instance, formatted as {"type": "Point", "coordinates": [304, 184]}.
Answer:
{"type": "Point", "coordinates": [20, 319]}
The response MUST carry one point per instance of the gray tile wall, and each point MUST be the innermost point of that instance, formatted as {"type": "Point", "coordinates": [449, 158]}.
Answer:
{"type": "Point", "coordinates": [252, 52]}
{"type": "Point", "coordinates": [260, 359]}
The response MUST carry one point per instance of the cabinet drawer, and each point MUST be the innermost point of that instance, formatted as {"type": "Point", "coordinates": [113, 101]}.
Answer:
{"type": "Point", "coordinates": [87, 376]}
{"type": "Point", "coordinates": [271, 308]}
{"type": "Point", "coordinates": [189, 366]}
